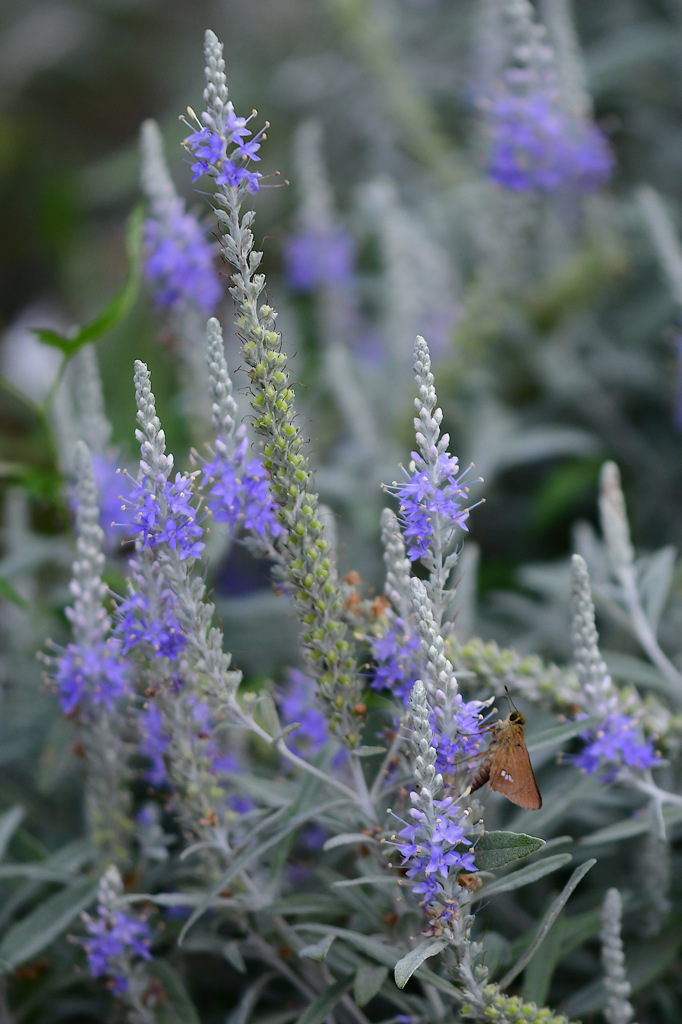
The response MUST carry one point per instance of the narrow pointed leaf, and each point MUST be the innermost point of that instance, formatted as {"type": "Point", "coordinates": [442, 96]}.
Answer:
{"type": "Point", "coordinates": [524, 876]}
{"type": "Point", "coordinates": [318, 950]}
{"type": "Point", "coordinates": [322, 1007]}
{"type": "Point", "coordinates": [547, 922]}
{"type": "Point", "coordinates": [406, 967]}
{"type": "Point", "coordinates": [49, 920]}
{"type": "Point", "coordinates": [9, 823]}
{"type": "Point", "coordinates": [368, 981]}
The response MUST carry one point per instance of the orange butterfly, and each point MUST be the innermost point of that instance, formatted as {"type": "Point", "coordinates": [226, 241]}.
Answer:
{"type": "Point", "coordinates": [507, 765]}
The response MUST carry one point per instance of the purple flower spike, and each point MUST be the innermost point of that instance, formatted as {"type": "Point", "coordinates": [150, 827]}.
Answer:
{"type": "Point", "coordinates": [536, 145]}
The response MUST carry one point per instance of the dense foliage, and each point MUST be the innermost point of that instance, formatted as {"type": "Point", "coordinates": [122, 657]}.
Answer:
{"type": "Point", "coordinates": [274, 550]}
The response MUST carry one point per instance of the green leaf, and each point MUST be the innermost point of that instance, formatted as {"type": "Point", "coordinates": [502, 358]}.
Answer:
{"type": "Point", "coordinates": [318, 950]}
{"type": "Point", "coordinates": [495, 849]}
{"type": "Point", "coordinates": [346, 839]}
{"type": "Point", "coordinates": [9, 593]}
{"type": "Point", "coordinates": [655, 579]}
{"type": "Point", "coordinates": [251, 851]}
{"type": "Point", "coordinates": [116, 309]}
{"type": "Point", "coordinates": [233, 955]}
{"type": "Point", "coordinates": [379, 951]}
{"type": "Point", "coordinates": [268, 711]}
{"type": "Point", "coordinates": [49, 920]}
{"type": "Point", "coordinates": [557, 736]}
{"type": "Point", "coordinates": [538, 976]}
{"type": "Point", "coordinates": [406, 967]}
{"type": "Point", "coordinates": [548, 920]}
{"type": "Point", "coordinates": [629, 827]}
{"type": "Point", "coordinates": [9, 823]}
{"type": "Point", "coordinates": [323, 1006]}
{"type": "Point", "coordinates": [175, 1007]}
{"type": "Point", "coordinates": [524, 876]}
{"type": "Point", "coordinates": [368, 981]}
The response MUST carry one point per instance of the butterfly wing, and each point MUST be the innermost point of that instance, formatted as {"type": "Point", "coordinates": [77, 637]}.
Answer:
{"type": "Point", "coordinates": [511, 772]}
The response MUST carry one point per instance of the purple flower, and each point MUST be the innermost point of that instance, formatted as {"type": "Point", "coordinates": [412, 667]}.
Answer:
{"type": "Point", "coordinates": [220, 153]}
{"type": "Point", "coordinates": [314, 258]}
{"type": "Point", "coordinates": [297, 704]}
{"type": "Point", "coordinates": [534, 144]}
{"type": "Point", "coordinates": [160, 628]}
{"type": "Point", "coordinates": [113, 939]}
{"type": "Point", "coordinates": [429, 496]}
{"type": "Point", "coordinates": [435, 849]}
{"type": "Point", "coordinates": [165, 515]}
{"type": "Point", "coordinates": [239, 492]}
{"type": "Point", "coordinates": [96, 674]}
{"type": "Point", "coordinates": [466, 727]}
{"type": "Point", "coordinates": [617, 742]}
{"type": "Point", "coordinates": [179, 261]}
{"type": "Point", "coordinates": [108, 480]}
{"type": "Point", "coordinates": [399, 663]}
{"type": "Point", "coordinates": [154, 741]}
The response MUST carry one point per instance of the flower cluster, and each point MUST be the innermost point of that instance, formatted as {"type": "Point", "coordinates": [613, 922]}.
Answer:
{"type": "Point", "coordinates": [323, 257]}
{"type": "Point", "coordinates": [108, 480]}
{"type": "Point", "coordinates": [157, 625]}
{"type": "Point", "coordinates": [297, 705]}
{"type": "Point", "coordinates": [536, 145]}
{"type": "Point", "coordinates": [442, 849]}
{"type": "Point", "coordinates": [397, 654]}
{"type": "Point", "coordinates": [210, 148]}
{"type": "Point", "coordinates": [617, 742]}
{"type": "Point", "coordinates": [114, 938]}
{"type": "Point", "coordinates": [239, 491]}
{"type": "Point", "coordinates": [179, 261]}
{"type": "Point", "coordinates": [164, 514]}
{"type": "Point", "coordinates": [155, 739]}
{"type": "Point", "coordinates": [430, 496]}
{"type": "Point", "coordinates": [458, 733]}
{"type": "Point", "coordinates": [94, 673]}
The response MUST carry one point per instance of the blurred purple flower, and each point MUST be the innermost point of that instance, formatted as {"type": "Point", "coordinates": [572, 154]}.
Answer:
{"type": "Point", "coordinates": [314, 258]}
{"type": "Point", "coordinates": [536, 145]}
{"type": "Point", "coordinates": [617, 742]}
{"type": "Point", "coordinates": [113, 938]}
{"type": "Point", "coordinates": [239, 492]}
{"type": "Point", "coordinates": [96, 674]}
{"type": "Point", "coordinates": [179, 262]}
{"type": "Point", "coordinates": [297, 704]}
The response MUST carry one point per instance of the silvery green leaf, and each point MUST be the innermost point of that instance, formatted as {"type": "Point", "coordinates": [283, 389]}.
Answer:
{"type": "Point", "coordinates": [368, 981]}
{"type": "Point", "coordinates": [495, 849]}
{"type": "Point", "coordinates": [318, 950]}
{"type": "Point", "coordinates": [252, 851]}
{"type": "Point", "coordinates": [9, 823]}
{"type": "Point", "coordinates": [628, 668]}
{"type": "Point", "coordinates": [524, 876]}
{"type": "Point", "coordinates": [557, 736]}
{"type": "Point", "coordinates": [406, 967]}
{"type": "Point", "coordinates": [266, 706]}
{"type": "Point", "coordinates": [322, 1007]}
{"type": "Point", "coordinates": [655, 576]}
{"type": "Point", "coordinates": [346, 839]}
{"type": "Point", "coordinates": [550, 917]}
{"type": "Point", "coordinates": [629, 827]}
{"type": "Point", "coordinates": [44, 924]}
